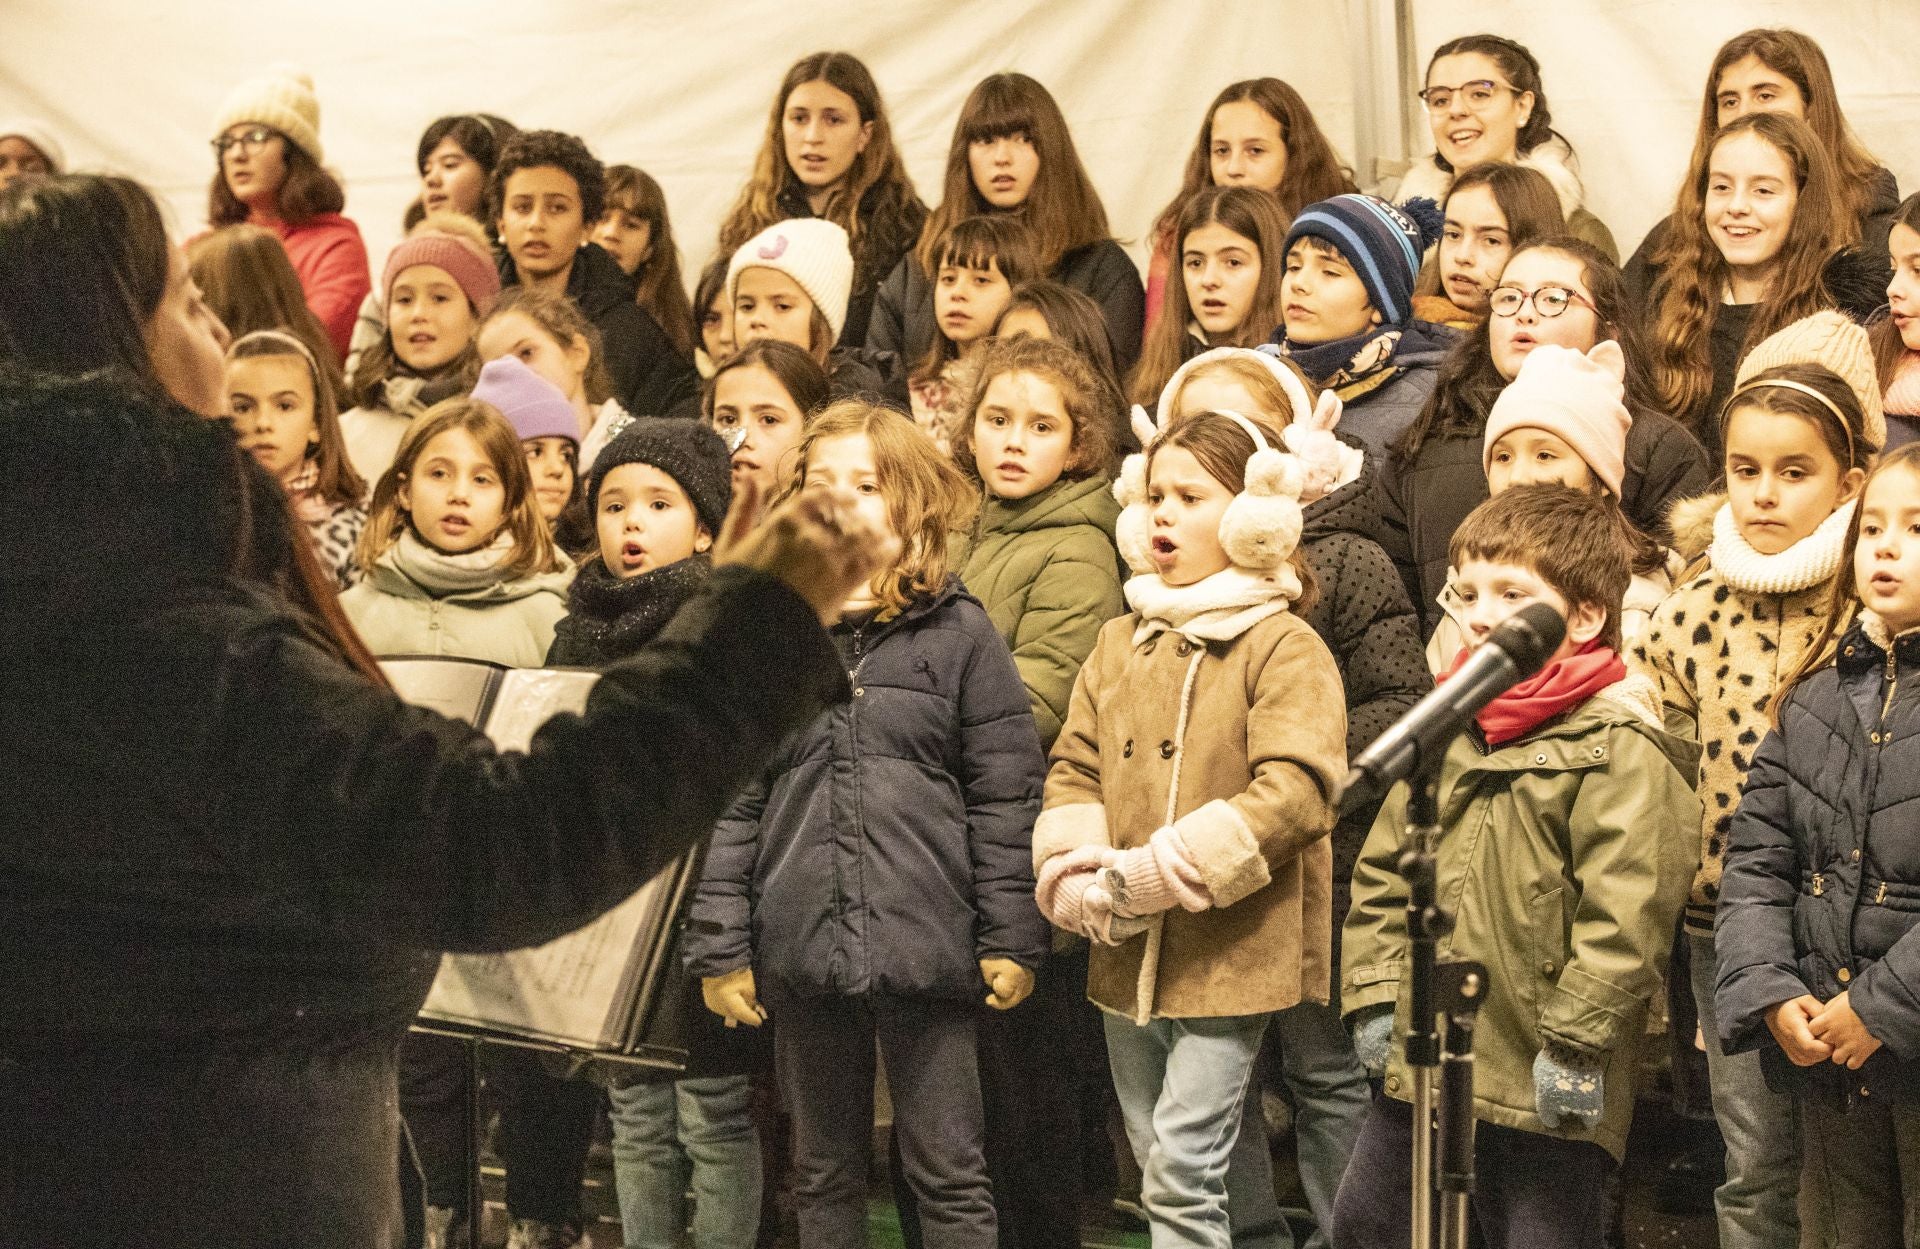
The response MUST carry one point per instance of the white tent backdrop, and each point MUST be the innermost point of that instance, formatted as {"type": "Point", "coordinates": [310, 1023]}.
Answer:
{"type": "Point", "coordinates": [684, 90]}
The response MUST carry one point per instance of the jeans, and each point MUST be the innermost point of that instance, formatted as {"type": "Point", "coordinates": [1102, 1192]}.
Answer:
{"type": "Point", "coordinates": [1756, 1206]}
{"type": "Point", "coordinates": [667, 1132]}
{"type": "Point", "coordinates": [1181, 1084]}
{"type": "Point", "coordinates": [1861, 1186]}
{"type": "Point", "coordinates": [825, 1050]}
{"type": "Point", "coordinates": [1330, 1097]}
{"type": "Point", "coordinates": [1530, 1191]}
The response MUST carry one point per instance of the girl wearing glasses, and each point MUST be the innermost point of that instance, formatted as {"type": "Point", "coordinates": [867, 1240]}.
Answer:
{"type": "Point", "coordinates": [1762, 236]}
{"type": "Point", "coordinates": [1485, 102]}
{"type": "Point", "coordinates": [1559, 291]}
{"type": "Point", "coordinates": [267, 141]}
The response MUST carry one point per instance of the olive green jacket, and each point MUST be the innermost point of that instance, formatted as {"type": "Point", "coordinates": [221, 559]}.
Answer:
{"type": "Point", "coordinates": [1564, 857]}
{"type": "Point", "coordinates": [1046, 570]}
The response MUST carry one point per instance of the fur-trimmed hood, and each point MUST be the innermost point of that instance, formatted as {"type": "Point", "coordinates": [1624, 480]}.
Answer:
{"type": "Point", "coordinates": [1691, 523]}
{"type": "Point", "coordinates": [1553, 160]}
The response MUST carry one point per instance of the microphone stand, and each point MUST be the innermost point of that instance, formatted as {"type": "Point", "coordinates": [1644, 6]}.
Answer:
{"type": "Point", "coordinates": [1455, 990]}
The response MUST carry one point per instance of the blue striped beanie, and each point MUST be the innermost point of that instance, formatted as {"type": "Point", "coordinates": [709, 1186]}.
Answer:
{"type": "Point", "coordinates": [1383, 242]}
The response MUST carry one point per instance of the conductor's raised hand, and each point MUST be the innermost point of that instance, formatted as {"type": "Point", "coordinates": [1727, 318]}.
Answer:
{"type": "Point", "coordinates": [817, 542]}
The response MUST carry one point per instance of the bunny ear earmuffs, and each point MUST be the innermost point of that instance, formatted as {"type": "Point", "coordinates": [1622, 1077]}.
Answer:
{"type": "Point", "coordinates": [1259, 529]}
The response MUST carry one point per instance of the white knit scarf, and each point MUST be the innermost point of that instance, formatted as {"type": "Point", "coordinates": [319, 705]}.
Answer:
{"type": "Point", "coordinates": [441, 574]}
{"type": "Point", "coordinates": [1213, 609]}
{"type": "Point", "coordinates": [1808, 562]}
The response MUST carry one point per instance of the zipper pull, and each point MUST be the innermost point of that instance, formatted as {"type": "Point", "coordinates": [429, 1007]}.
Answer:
{"type": "Point", "coordinates": [1819, 884]}
{"type": "Point", "coordinates": [1880, 897]}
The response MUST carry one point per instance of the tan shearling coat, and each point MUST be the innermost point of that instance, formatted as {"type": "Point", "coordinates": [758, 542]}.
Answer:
{"type": "Point", "coordinates": [1238, 744]}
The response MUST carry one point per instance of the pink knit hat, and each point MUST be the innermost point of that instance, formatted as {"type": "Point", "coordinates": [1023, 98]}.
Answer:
{"type": "Point", "coordinates": [533, 405]}
{"type": "Point", "coordinates": [1578, 398]}
{"type": "Point", "coordinates": [473, 272]}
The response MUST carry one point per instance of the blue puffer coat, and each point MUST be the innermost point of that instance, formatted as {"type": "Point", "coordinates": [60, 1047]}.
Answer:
{"type": "Point", "coordinates": [1822, 886]}
{"type": "Point", "coordinates": [888, 847]}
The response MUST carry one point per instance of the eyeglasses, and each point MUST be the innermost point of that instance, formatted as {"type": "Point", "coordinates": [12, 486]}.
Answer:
{"type": "Point", "coordinates": [252, 137]}
{"type": "Point", "coordinates": [1478, 95]}
{"type": "Point", "coordinates": [1548, 301]}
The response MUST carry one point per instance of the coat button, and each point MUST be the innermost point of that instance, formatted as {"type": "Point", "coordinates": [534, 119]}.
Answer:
{"type": "Point", "coordinates": [1540, 758]}
{"type": "Point", "coordinates": [1546, 969]}
{"type": "Point", "coordinates": [1865, 1091]}
{"type": "Point", "coordinates": [1844, 975]}
{"type": "Point", "coordinates": [1393, 1084]}
{"type": "Point", "coordinates": [1126, 751]}
{"type": "Point", "coordinates": [860, 691]}
{"type": "Point", "coordinates": [1599, 752]}
{"type": "Point", "coordinates": [1856, 856]}
{"type": "Point", "coordinates": [1166, 750]}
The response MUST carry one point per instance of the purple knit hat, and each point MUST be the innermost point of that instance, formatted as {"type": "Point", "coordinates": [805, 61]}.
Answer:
{"type": "Point", "coordinates": [533, 405]}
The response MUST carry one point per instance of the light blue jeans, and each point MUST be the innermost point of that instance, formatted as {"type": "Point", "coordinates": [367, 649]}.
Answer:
{"type": "Point", "coordinates": [666, 1132]}
{"type": "Point", "coordinates": [1330, 1098]}
{"type": "Point", "coordinates": [1758, 1206]}
{"type": "Point", "coordinates": [1181, 1083]}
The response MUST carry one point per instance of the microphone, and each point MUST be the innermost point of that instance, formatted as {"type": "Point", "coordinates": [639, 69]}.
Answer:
{"type": "Point", "coordinates": [1514, 651]}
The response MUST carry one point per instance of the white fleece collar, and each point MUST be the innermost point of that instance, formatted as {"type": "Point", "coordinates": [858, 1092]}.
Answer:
{"type": "Point", "coordinates": [1214, 609]}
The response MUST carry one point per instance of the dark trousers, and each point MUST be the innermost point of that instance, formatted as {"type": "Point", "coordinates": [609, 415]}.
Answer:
{"type": "Point", "coordinates": [825, 1050]}
{"type": "Point", "coordinates": [1860, 1175]}
{"type": "Point", "coordinates": [1043, 1079]}
{"type": "Point", "coordinates": [1532, 1191]}
{"type": "Point", "coordinates": [546, 1126]}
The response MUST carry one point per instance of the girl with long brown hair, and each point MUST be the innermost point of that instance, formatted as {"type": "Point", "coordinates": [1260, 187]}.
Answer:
{"type": "Point", "coordinates": [1257, 133]}
{"type": "Point", "coordinates": [1491, 210]}
{"type": "Point", "coordinates": [637, 232]}
{"type": "Point", "coordinates": [1012, 153]}
{"type": "Point", "coordinates": [1762, 236]}
{"type": "Point", "coordinates": [1777, 70]}
{"type": "Point", "coordinates": [829, 152]}
{"type": "Point", "coordinates": [244, 275]}
{"type": "Point", "coordinates": [1230, 243]}
{"type": "Point", "coordinates": [1896, 336]}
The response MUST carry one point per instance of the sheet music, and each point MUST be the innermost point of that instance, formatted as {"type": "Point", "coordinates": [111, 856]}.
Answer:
{"type": "Point", "coordinates": [578, 989]}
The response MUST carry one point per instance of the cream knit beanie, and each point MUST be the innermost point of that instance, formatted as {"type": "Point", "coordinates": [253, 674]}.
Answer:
{"type": "Point", "coordinates": [813, 252]}
{"type": "Point", "coordinates": [1834, 340]}
{"type": "Point", "coordinates": [281, 98]}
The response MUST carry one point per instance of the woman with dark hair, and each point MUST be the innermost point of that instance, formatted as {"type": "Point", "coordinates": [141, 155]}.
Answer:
{"type": "Point", "coordinates": [267, 141]}
{"type": "Point", "coordinates": [233, 854]}
{"type": "Point", "coordinates": [829, 152]}
{"type": "Point", "coordinates": [1774, 70]}
{"type": "Point", "coordinates": [1013, 153]}
{"type": "Point", "coordinates": [1486, 102]}
{"type": "Point", "coordinates": [1570, 296]}
{"type": "Point", "coordinates": [1258, 133]}
{"type": "Point", "coordinates": [456, 156]}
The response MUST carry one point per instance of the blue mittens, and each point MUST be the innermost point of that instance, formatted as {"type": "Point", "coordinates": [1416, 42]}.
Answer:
{"type": "Point", "coordinates": [1569, 1088]}
{"type": "Point", "coordinates": [1373, 1037]}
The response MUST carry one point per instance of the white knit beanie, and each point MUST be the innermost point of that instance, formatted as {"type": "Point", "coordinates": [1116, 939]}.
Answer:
{"type": "Point", "coordinates": [283, 99]}
{"type": "Point", "coordinates": [1834, 340]}
{"type": "Point", "coordinates": [1577, 397]}
{"type": "Point", "coordinates": [813, 252]}
{"type": "Point", "coordinates": [40, 136]}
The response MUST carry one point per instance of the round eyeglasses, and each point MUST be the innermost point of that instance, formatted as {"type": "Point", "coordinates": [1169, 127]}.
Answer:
{"type": "Point", "coordinates": [252, 137]}
{"type": "Point", "coordinates": [1548, 301]}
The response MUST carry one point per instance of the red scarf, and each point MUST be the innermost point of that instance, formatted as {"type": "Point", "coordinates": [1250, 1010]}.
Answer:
{"type": "Point", "coordinates": [1562, 684]}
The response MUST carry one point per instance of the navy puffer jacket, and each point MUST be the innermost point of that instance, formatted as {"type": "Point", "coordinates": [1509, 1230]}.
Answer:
{"type": "Point", "coordinates": [888, 846]}
{"type": "Point", "coordinates": [1822, 887]}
